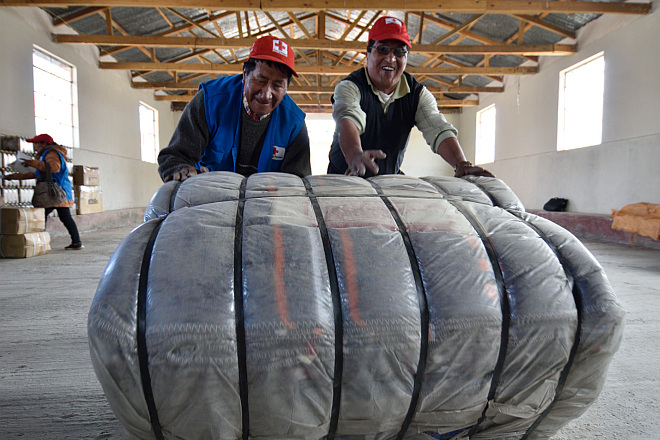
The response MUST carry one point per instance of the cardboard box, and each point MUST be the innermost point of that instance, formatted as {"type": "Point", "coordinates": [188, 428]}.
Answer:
{"type": "Point", "coordinates": [24, 245]}
{"type": "Point", "coordinates": [87, 176]}
{"type": "Point", "coordinates": [88, 199]}
{"type": "Point", "coordinates": [15, 221]}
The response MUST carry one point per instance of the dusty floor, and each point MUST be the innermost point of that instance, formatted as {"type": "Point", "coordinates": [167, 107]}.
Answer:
{"type": "Point", "coordinates": [48, 389]}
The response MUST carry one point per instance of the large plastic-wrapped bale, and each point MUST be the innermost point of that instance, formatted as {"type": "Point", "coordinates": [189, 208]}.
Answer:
{"type": "Point", "coordinates": [275, 307]}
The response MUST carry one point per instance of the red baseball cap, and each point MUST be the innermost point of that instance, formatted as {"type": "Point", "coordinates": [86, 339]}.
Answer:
{"type": "Point", "coordinates": [42, 138]}
{"type": "Point", "coordinates": [274, 49]}
{"type": "Point", "coordinates": [389, 28]}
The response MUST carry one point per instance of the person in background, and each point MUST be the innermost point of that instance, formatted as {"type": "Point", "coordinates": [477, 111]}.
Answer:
{"type": "Point", "coordinates": [374, 111]}
{"type": "Point", "coordinates": [48, 152]}
{"type": "Point", "coordinates": [243, 123]}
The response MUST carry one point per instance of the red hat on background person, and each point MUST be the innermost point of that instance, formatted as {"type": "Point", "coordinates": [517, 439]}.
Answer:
{"type": "Point", "coordinates": [274, 49]}
{"type": "Point", "coordinates": [45, 138]}
{"type": "Point", "coordinates": [389, 28]}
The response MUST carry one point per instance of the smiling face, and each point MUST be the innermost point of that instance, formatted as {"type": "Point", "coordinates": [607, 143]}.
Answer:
{"type": "Point", "coordinates": [265, 88]}
{"type": "Point", "coordinates": [386, 70]}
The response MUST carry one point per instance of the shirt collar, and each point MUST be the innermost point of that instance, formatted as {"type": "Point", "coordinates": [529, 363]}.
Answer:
{"type": "Point", "coordinates": [249, 112]}
{"type": "Point", "coordinates": [402, 88]}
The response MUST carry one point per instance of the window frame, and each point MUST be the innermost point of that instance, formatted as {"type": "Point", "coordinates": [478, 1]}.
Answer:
{"type": "Point", "coordinates": [565, 137]}
{"type": "Point", "coordinates": [153, 134]}
{"type": "Point", "coordinates": [480, 157]}
{"type": "Point", "coordinates": [50, 120]}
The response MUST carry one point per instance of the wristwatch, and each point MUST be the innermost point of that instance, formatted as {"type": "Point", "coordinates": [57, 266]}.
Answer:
{"type": "Point", "coordinates": [463, 163]}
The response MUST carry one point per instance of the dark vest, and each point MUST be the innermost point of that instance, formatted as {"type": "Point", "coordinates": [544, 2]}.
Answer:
{"type": "Point", "coordinates": [388, 132]}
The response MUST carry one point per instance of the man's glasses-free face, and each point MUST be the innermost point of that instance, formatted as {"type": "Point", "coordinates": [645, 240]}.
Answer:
{"type": "Point", "coordinates": [384, 50]}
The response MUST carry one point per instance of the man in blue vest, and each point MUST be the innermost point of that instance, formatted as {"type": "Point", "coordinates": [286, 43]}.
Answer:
{"type": "Point", "coordinates": [243, 123]}
{"type": "Point", "coordinates": [374, 111]}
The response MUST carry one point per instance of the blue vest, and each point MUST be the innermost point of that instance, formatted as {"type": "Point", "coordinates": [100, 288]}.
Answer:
{"type": "Point", "coordinates": [61, 177]}
{"type": "Point", "coordinates": [223, 103]}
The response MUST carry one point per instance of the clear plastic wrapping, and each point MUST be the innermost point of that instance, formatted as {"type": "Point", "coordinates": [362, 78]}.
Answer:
{"type": "Point", "coordinates": [335, 306]}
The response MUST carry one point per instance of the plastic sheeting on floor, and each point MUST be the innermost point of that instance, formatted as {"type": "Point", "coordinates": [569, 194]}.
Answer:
{"type": "Point", "coordinates": [638, 218]}
{"type": "Point", "coordinates": [275, 307]}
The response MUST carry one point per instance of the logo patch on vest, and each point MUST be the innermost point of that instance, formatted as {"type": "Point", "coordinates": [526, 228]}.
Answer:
{"type": "Point", "coordinates": [279, 47]}
{"type": "Point", "coordinates": [278, 153]}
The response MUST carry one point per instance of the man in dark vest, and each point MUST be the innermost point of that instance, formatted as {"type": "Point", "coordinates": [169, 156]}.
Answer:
{"type": "Point", "coordinates": [242, 123]}
{"type": "Point", "coordinates": [375, 110]}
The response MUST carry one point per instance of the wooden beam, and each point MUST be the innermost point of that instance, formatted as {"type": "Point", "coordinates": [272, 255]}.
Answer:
{"type": "Point", "coordinates": [547, 26]}
{"type": "Point", "coordinates": [86, 12]}
{"type": "Point", "coordinates": [461, 6]}
{"type": "Point", "coordinates": [314, 43]}
{"type": "Point", "coordinates": [165, 85]}
{"type": "Point", "coordinates": [324, 70]}
{"type": "Point", "coordinates": [296, 89]}
{"type": "Point", "coordinates": [108, 21]}
{"type": "Point", "coordinates": [325, 102]}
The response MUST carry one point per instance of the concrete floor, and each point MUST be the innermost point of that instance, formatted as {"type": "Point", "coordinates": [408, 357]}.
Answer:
{"type": "Point", "coordinates": [48, 389]}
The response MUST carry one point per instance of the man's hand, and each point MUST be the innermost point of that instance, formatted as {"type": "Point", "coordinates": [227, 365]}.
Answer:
{"type": "Point", "coordinates": [464, 170]}
{"type": "Point", "coordinates": [185, 173]}
{"type": "Point", "coordinates": [12, 176]}
{"type": "Point", "coordinates": [358, 164]}
{"type": "Point", "coordinates": [30, 163]}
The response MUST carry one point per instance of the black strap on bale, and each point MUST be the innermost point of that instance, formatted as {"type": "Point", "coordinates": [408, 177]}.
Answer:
{"type": "Point", "coordinates": [577, 297]}
{"type": "Point", "coordinates": [337, 313]}
{"type": "Point", "coordinates": [503, 294]}
{"type": "Point", "coordinates": [423, 310]}
{"type": "Point", "coordinates": [143, 356]}
{"type": "Point", "coordinates": [174, 194]}
{"type": "Point", "coordinates": [241, 348]}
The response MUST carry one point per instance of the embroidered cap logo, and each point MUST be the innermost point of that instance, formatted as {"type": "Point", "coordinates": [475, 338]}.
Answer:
{"type": "Point", "coordinates": [280, 47]}
{"type": "Point", "coordinates": [396, 21]}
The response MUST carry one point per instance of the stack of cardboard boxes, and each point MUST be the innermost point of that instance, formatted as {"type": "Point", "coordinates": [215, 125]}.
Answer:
{"type": "Point", "coordinates": [23, 233]}
{"type": "Point", "coordinates": [87, 190]}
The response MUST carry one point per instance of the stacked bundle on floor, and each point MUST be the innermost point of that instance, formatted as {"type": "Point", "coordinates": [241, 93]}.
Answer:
{"type": "Point", "coordinates": [87, 190]}
{"type": "Point", "coordinates": [23, 233]}
{"type": "Point", "coordinates": [275, 307]}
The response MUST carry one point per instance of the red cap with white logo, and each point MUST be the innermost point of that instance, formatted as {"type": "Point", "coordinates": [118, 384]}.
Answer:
{"type": "Point", "coordinates": [45, 138]}
{"type": "Point", "coordinates": [389, 28]}
{"type": "Point", "coordinates": [273, 49]}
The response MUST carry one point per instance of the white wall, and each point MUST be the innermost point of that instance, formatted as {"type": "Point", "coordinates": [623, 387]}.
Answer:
{"type": "Point", "coordinates": [625, 168]}
{"type": "Point", "coordinates": [421, 161]}
{"type": "Point", "coordinates": [108, 108]}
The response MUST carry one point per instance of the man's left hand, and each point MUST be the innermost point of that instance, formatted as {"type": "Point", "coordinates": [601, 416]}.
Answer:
{"type": "Point", "coordinates": [472, 170]}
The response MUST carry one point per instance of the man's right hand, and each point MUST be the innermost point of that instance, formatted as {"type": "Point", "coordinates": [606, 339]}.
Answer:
{"type": "Point", "coordinates": [358, 164]}
{"type": "Point", "coordinates": [185, 173]}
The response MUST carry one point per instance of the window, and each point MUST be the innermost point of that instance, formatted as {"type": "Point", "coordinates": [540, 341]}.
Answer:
{"type": "Point", "coordinates": [485, 143]}
{"type": "Point", "coordinates": [55, 98]}
{"type": "Point", "coordinates": [321, 128]}
{"type": "Point", "coordinates": [581, 89]}
{"type": "Point", "coordinates": [149, 133]}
